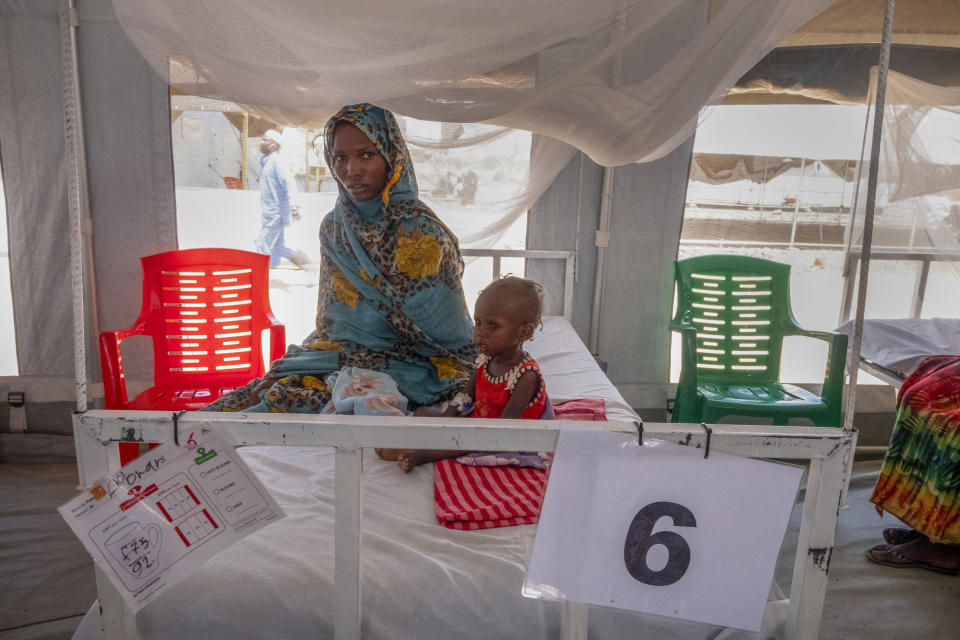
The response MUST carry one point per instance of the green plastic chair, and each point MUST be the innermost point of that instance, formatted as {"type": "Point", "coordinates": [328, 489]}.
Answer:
{"type": "Point", "coordinates": [732, 314]}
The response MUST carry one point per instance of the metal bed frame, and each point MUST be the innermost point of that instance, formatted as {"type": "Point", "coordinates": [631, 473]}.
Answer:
{"type": "Point", "coordinates": [828, 450]}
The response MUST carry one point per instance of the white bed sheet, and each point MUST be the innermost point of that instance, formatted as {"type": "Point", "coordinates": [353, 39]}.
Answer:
{"type": "Point", "coordinates": [900, 344]}
{"type": "Point", "coordinates": [419, 579]}
{"type": "Point", "coordinates": [571, 371]}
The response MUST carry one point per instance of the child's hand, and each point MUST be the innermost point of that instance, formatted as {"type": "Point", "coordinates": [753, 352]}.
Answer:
{"type": "Point", "coordinates": [424, 412]}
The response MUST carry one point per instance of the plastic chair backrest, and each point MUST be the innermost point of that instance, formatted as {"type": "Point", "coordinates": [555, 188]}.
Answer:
{"type": "Point", "coordinates": [740, 307]}
{"type": "Point", "coordinates": [206, 310]}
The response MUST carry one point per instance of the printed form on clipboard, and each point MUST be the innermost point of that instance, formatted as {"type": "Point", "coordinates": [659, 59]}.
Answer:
{"type": "Point", "coordinates": [152, 523]}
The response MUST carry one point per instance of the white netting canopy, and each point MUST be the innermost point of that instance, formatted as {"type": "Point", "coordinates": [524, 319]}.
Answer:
{"type": "Point", "coordinates": [621, 80]}
{"type": "Point", "coordinates": [917, 216]}
{"type": "Point", "coordinates": [482, 178]}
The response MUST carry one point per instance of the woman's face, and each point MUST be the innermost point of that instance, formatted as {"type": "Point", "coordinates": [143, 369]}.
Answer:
{"type": "Point", "coordinates": [357, 163]}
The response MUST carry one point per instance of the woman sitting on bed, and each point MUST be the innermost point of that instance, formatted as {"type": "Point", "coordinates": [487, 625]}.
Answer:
{"type": "Point", "coordinates": [390, 295]}
{"type": "Point", "coordinates": [507, 382]}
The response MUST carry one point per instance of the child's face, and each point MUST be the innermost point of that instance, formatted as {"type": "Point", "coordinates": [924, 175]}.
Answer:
{"type": "Point", "coordinates": [498, 327]}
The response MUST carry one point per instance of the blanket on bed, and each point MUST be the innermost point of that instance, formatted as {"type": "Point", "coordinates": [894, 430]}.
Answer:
{"type": "Point", "coordinates": [483, 497]}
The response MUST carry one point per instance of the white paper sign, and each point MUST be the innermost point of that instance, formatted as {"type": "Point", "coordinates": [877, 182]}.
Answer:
{"type": "Point", "coordinates": [155, 521]}
{"type": "Point", "coordinates": [659, 529]}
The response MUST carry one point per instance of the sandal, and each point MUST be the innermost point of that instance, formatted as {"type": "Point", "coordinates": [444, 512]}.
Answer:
{"type": "Point", "coordinates": [899, 535]}
{"type": "Point", "coordinates": [885, 555]}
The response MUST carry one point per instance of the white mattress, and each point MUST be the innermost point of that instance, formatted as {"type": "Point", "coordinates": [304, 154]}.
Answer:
{"type": "Point", "coordinates": [571, 372]}
{"type": "Point", "coordinates": [420, 580]}
{"type": "Point", "coordinates": [901, 344]}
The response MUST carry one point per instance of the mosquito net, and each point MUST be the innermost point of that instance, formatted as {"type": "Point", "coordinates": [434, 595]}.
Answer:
{"type": "Point", "coordinates": [623, 80]}
{"type": "Point", "coordinates": [914, 266]}
{"type": "Point", "coordinates": [482, 178]}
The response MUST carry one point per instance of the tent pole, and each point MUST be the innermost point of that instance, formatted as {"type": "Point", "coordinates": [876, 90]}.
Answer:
{"type": "Point", "coordinates": [77, 195]}
{"type": "Point", "coordinates": [796, 205]}
{"type": "Point", "coordinates": [601, 241]}
{"type": "Point", "coordinates": [243, 150]}
{"type": "Point", "coordinates": [602, 234]}
{"type": "Point", "coordinates": [853, 355]}
{"type": "Point", "coordinates": [847, 278]}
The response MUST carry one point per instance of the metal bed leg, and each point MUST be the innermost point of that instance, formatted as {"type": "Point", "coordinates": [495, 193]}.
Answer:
{"type": "Point", "coordinates": [349, 464]}
{"type": "Point", "coordinates": [821, 507]}
{"type": "Point", "coordinates": [117, 621]}
{"type": "Point", "coordinates": [94, 460]}
{"type": "Point", "coordinates": [575, 619]}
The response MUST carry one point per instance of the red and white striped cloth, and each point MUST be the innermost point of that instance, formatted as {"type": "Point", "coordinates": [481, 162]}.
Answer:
{"type": "Point", "coordinates": [469, 497]}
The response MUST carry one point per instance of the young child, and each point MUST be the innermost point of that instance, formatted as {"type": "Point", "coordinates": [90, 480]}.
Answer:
{"type": "Point", "coordinates": [507, 382]}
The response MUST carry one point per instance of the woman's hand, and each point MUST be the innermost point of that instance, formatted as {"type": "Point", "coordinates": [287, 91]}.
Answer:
{"type": "Point", "coordinates": [264, 384]}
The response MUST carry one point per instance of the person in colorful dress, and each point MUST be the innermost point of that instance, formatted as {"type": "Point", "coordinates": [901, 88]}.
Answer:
{"type": "Point", "coordinates": [390, 296]}
{"type": "Point", "coordinates": [507, 382]}
{"type": "Point", "coordinates": [919, 481]}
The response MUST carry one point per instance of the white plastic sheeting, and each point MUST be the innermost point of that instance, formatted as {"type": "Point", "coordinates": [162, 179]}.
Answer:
{"type": "Point", "coordinates": [621, 80]}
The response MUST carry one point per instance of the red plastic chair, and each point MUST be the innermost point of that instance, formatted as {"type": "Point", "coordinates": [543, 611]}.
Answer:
{"type": "Point", "coordinates": [205, 310]}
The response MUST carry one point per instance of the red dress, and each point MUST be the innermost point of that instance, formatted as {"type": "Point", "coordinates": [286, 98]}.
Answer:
{"type": "Point", "coordinates": [492, 393]}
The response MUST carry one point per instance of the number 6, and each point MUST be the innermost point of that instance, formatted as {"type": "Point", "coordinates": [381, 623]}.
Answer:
{"type": "Point", "coordinates": [639, 541]}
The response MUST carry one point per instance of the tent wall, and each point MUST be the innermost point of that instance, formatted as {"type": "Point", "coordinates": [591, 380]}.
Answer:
{"type": "Point", "coordinates": [34, 174]}
{"type": "Point", "coordinates": [568, 212]}
{"type": "Point", "coordinates": [126, 110]}
{"type": "Point", "coordinates": [125, 106]}
{"type": "Point", "coordinates": [648, 203]}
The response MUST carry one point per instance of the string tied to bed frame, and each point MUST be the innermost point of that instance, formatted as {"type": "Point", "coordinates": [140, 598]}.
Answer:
{"type": "Point", "coordinates": [176, 427]}
{"type": "Point", "coordinates": [706, 449]}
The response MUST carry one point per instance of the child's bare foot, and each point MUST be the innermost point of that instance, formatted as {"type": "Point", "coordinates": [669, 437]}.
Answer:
{"type": "Point", "coordinates": [406, 458]}
{"type": "Point", "coordinates": [410, 458]}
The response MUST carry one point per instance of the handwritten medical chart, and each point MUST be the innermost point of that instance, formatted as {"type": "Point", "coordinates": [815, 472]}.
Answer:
{"type": "Point", "coordinates": [152, 523]}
